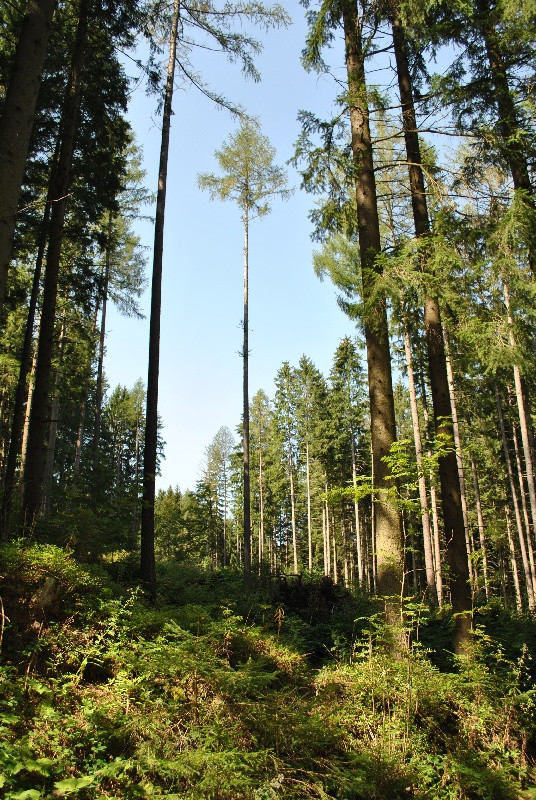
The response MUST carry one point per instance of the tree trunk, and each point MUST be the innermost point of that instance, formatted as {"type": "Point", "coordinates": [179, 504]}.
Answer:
{"type": "Point", "coordinates": [423, 495]}
{"type": "Point", "coordinates": [382, 417]}
{"type": "Point", "coordinates": [480, 521]}
{"type": "Point", "coordinates": [99, 388]}
{"type": "Point", "coordinates": [32, 494]}
{"type": "Point", "coordinates": [147, 556]}
{"type": "Point", "coordinates": [309, 516]}
{"type": "Point", "coordinates": [451, 490]}
{"type": "Point", "coordinates": [523, 422]}
{"type": "Point", "coordinates": [513, 562]}
{"type": "Point", "coordinates": [48, 468]}
{"type": "Point", "coordinates": [17, 119]}
{"type": "Point", "coordinates": [21, 392]}
{"type": "Point", "coordinates": [293, 518]}
{"type": "Point", "coordinates": [245, 417]}
{"type": "Point", "coordinates": [529, 578]}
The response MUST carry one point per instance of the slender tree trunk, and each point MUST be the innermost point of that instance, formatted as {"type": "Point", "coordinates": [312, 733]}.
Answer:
{"type": "Point", "coordinates": [480, 521]}
{"type": "Point", "coordinates": [32, 494]}
{"type": "Point", "coordinates": [99, 388]}
{"type": "Point", "coordinates": [382, 417]}
{"type": "Point", "coordinates": [309, 514]}
{"type": "Point", "coordinates": [245, 419]}
{"type": "Point", "coordinates": [513, 562]}
{"type": "Point", "coordinates": [423, 495]}
{"type": "Point", "coordinates": [48, 470]}
{"type": "Point", "coordinates": [433, 504]}
{"type": "Point", "coordinates": [17, 119]}
{"type": "Point", "coordinates": [523, 422]}
{"type": "Point", "coordinates": [21, 392]}
{"type": "Point", "coordinates": [261, 508]}
{"type": "Point", "coordinates": [529, 579]}
{"type": "Point", "coordinates": [334, 542]}
{"type": "Point", "coordinates": [147, 555]}
{"type": "Point", "coordinates": [522, 494]}
{"type": "Point", "coordinates": [293, 517]}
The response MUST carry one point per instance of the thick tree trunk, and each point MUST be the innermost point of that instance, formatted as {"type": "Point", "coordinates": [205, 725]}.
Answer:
{"type": "Point", "coordinates": [245, 412]}
{"type": "Point", "coordinates": [451, 493]}
{"type": "Point", "coordinates": [147, 556]}
{"type": "Point", "coordinates": [17, 118]}
{"type": "Point", "coordinates": [382, 418]}
{"type": "Point", "coordinates": [32, 493]}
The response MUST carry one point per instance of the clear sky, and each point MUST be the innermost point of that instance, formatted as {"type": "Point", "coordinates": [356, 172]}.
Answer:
{"type": "Point", "coordinates": [291, 311]}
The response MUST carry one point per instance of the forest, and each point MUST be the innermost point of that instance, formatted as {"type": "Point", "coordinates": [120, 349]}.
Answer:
{"type": "Point", "coordinates": [343, 606]}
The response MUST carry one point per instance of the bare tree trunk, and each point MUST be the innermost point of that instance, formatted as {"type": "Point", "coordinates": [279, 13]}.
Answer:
{"type": "Point", "coordinates": [48, 471]}
{"type": "Point", "coordinates": [523, 423]}
{"type": "Point", "coordinates": [293, 518]}
{"type": "Point", "coordinates": [529, 579]}
{"type": "Point", "coordinates": [359, 548]}
{"type": "Point", "coordinates": [147, 555]}
{"type": "Point", "coordinates": [261, 509]}
{"type": "Point", "coordinates": [513, 561]}
{"type": "Point", "coordinates": [21, 392]}
{"type": "Point", "coordinates": [459, 459]}
{"type": "Point", "coordinates": [32, 493]}
{"type": "Point", "coordinates": [423, 495]}
{"type": "Point", "coordinates": [99, 388]}
{"type": "Point", "coordinates": [433, 504]}
{"type": "Point", "coordinates": [16, 121]}
{"type": "Point", "coordinates": [245, 416]}
{"type": "Point", "coordinates": [334, 542]}
{"type": "Point", "coordinates": [382, 418]}
{"type": "Point", "coordinates": [526, 520]}
{"type": "Point", "coordinates": [309, 516]}
{"type": "Point", "coordinates": [480, 520]}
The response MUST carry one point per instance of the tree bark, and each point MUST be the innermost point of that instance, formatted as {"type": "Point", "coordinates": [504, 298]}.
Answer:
{"type": "Point", "coordinates": [451, 491]}
{"type": "Point", "coordinates": [245, 412]}
{"type": "Point", "coordinates": [17, 119]}
{"type": "Point", "coordinates": [382, 418]}
{"type": "Point", "coordinates": [147, 555]}
{"type": "Point", "coordinates": [480, 521]}
{"type": "Point", "coordinates": [32, 493]}
{"type": "Point", "coordinates": [529, 578]}
{"type": "Point", "coordinates": [99, 388]}
{"type": "Point", "coordinates": [423, 495]}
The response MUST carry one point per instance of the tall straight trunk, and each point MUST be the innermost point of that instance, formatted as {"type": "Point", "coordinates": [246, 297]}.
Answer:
{"type": "Point", "coordinates": [433, 504]}
{"type": "Point", "coordinates": [48, 469]}
{"type": "Point", "coordinates": [523, 421]}
{"type": "Point", "coordinates": [345, 556]}
{"type": "Point", "coordinates": [147, 555]}
{"type": "Point", "coordinates": [382, 417]}
{"type": "Point", "coordinates": [21, 392]}
{"type": "Point", "coordinates": [99, 388]}
{"type": "Point", "coordinates": [529, 578]}
{"type": "Point", "coordinates": [513, 145]}
{"type": "Point", "coordinates": [309, 514]}
{"type": "Point", "coordinates": [458, 453]}
{"type": "Point", "coordinates": [261, 508]}
{"type": "Point", "coordinates": [423, 494]}
{"type": "Point", "coordinates": [522, 494]}
{"type": "Point", "coordinates": [26, 426]}
{"type": "Point", "coordinates": [451, 490]}
{"type": "Point", "coordinates": [324, 543]}
{"type": "Point", "coordinates": [334, 542]}
{"type": "Point", "coordinates": [32, 493]}
{"type": "Point", "coordinates": [293, 517]}
{"type": "Point", "coordinates": [513, 561]}
{"type": "Point", "coordinates": [16, 121]}
{"type": "Point", "coordinates": [83, 407]}
{"type": "Point", "coordinates": [245, 411]}
{"type": "Point", "coordinates": [480, 521]}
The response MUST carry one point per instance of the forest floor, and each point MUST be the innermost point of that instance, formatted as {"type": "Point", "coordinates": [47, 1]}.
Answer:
{"type": "Point", "coordinates": [286, 690]}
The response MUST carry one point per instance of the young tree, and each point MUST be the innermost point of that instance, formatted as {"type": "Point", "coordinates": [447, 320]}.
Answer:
{"type": "Point", "coordinates": [250, 179]}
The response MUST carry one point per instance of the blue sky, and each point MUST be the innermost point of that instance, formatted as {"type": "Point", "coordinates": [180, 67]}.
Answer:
{"type": "Point", "coordinates": [291, 311]}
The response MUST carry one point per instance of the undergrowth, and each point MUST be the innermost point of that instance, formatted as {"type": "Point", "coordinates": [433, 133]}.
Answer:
{"type": "Point", "coordinates": [218, 695]}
